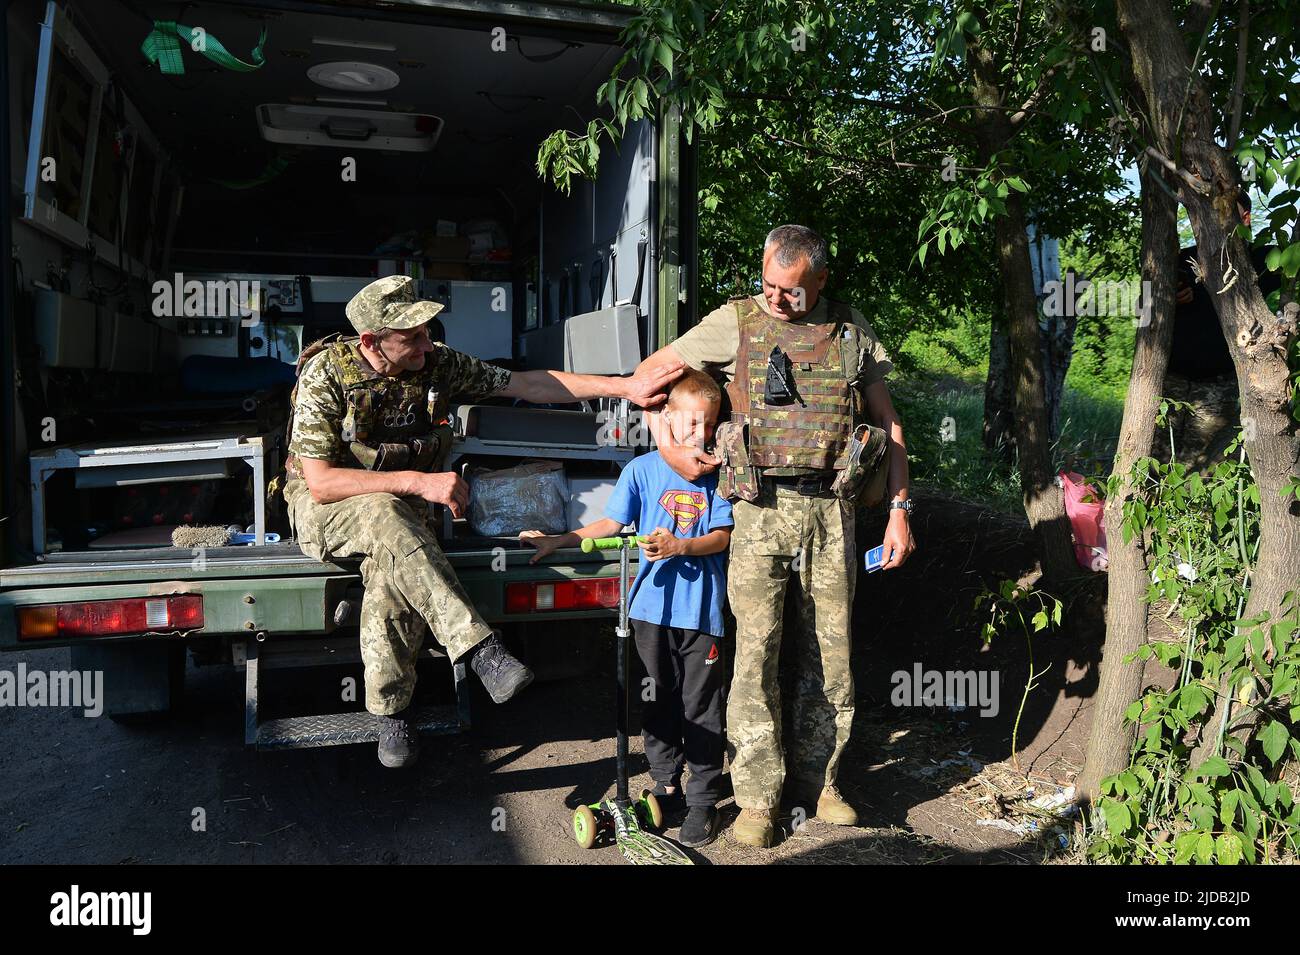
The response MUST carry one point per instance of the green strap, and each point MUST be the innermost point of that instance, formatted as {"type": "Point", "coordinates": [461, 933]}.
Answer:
{"type": "Point", "coordinates": [163, 47]}
{"type": "Point", "coordinates": [273, 169]}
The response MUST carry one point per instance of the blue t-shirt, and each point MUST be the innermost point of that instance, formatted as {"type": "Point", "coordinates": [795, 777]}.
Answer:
{"type": "Point", "coordinates": [682, 592]}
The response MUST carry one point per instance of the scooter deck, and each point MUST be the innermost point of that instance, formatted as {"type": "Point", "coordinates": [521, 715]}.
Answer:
{"type": "Point", "coordinates": [640, 847]}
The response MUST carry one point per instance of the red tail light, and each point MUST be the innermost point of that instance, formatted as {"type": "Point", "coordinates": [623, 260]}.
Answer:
{"type": "Point", "coordinates": [101, 618]}
{"type": "Point", "coordinates": [594, 593]}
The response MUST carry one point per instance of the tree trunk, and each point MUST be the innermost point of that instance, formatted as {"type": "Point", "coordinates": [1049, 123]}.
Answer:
{"type": "Point", "coordinates": [999, 418]}
{"type": "Point", "coordinates": [1120, 682]}
{"type": "Point", "coordinates": [1058, 347]}
{"type": "Point", "coordinates": [1043, 502]}
{"type": "Point", "coordinates": [1257, 341]}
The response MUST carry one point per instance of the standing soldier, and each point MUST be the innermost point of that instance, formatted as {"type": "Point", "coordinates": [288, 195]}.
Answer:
{"type": "Point", "coordinates": [811, 422]}
{"type": "Point", "coordinates": [367, 440]}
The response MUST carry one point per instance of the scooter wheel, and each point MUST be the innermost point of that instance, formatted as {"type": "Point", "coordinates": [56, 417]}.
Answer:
{"type": "Point", "coordinates": [584, 827]}
{"type": "Point", "coordinates": [651, 810]}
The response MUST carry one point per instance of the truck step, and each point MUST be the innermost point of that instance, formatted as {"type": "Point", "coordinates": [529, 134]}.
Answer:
{"type": "Point", "coordinates": [340, 729]}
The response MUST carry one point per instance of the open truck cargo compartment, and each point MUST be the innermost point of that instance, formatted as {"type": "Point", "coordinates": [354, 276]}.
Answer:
{"type": "Point", "coordinates": [174, 178]}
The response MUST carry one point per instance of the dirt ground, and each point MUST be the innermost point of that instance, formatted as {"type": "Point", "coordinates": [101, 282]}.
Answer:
{"type": "Point", "coordinates": [932, 785]}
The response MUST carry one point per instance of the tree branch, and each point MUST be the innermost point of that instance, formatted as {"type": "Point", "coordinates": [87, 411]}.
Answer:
{"type": "Point", "coordinates": [1037, 95]}
{"type": "Point", "coordinates": [858, 161]}
{"type": "Point", "coordinates": [1239, 81]}
{"type": "Point", "coordinates": [1196, 183]}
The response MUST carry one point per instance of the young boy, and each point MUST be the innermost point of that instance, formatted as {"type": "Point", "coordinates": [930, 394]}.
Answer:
{"type": "Point", "coordinates": [676, 604]}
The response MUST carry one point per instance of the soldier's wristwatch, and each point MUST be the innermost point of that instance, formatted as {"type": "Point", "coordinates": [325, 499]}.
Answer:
{"type": "Point", "coordinates": [907, 506]}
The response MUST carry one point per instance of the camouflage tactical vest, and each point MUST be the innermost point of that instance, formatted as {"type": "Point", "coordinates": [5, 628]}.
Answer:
{"type": "Point", "coordinates": [390, 423]}
{"type": "Point", "coordinates": [812, 432]}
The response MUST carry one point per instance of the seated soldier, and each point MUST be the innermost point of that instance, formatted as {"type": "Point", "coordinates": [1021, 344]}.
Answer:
{"type": "Point", "coordinates": [365, 440]}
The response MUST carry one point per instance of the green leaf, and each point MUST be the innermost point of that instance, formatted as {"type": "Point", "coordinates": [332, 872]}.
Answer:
{"type": "Point", "coordinates": [1213, 767]}
{"type": "Point", "coordinates": [1129, 783]}
{"type": "Point", "coordinates": [1257, 780]}
{"type": "Point", "coordinates": [664, 54]}
{"type": "Point", "coordinates": [1205, 848]}
{"type": "Point", "coordinates": [1118, 818]}
{"type": "Point", "coordinates": [1228, 849]}
{"type": "Point", "coordinates": [1192, 700]}
{"type": "Point", "coordinates": [1228, 806]}
{"type": "Point", "coordinates": [1274, 739]}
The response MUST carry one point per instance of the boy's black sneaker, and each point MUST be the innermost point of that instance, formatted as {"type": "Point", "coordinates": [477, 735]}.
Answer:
{"type": "Point", "coordinates": [501, 673]}
{"type": "Point", "coordinates": [399, 743]}
{"type": "Point", "coordinates": [700, 827]}
{"type": "Point", "coordinates": [669, 802]}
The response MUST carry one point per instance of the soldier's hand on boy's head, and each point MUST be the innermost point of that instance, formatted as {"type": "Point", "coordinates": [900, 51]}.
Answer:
{"type": "Point", "coordinates": [662, 545]}
{"type": "Point", "coordinates": [649, 386]}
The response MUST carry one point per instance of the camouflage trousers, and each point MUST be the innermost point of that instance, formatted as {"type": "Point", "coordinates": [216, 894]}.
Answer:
{"type": "Point", "coordinates": [410, 585]}
{"type": "Point", "coordinates": [779, 534]}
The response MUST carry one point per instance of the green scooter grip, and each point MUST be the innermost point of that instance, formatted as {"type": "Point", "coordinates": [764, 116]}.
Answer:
{"type": "Point", "coordinates": [609, 543]}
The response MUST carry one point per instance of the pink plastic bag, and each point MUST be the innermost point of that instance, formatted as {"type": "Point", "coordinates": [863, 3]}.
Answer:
{"type": "Point", "coordinates": [1084, 507]}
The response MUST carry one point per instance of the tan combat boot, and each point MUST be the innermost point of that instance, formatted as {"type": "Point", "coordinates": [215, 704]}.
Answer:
{"type": "Point", "coordinates": [755, 827]}
{"type": "Point", "coordinates": [831, 808]}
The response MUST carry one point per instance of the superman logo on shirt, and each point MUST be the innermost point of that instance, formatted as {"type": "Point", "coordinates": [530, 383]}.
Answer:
{"type": "Point", "coordinates": [685, 507]}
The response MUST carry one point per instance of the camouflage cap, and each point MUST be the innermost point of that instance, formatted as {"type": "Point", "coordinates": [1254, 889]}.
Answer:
{"type": "Point", "coordinates": [389, 303]}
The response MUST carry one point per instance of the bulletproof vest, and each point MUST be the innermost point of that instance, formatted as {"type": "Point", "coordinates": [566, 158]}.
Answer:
{"type": "Point", "coordinates": [390, 423]}
{"type": "Point", "coordinates": [792, 387]}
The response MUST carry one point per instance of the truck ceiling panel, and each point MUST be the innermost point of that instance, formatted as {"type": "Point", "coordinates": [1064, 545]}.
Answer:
{"type": "Point", "coordinates": [483, 96]}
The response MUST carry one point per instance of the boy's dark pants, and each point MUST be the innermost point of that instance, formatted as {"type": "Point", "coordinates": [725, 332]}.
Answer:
{"type": "Point", "coordinates": [682, 723]}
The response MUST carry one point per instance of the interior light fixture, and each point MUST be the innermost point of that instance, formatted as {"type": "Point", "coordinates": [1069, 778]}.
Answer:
{"type": "Point", "coordinates": [353, 77]}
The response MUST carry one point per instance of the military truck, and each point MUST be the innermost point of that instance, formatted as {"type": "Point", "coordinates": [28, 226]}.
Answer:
{"type": "Point", "coordinates": [193, 203]}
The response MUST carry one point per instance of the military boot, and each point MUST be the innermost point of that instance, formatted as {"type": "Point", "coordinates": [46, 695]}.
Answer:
{"type": "Point", "coordinates": [755, 827]}
{"type": "Point", "coordinates": [830, 805]}
{"type": "Point", "coordinates": [501, 673]}
{"type": "Point", "coordinates": [831, 808]}
{"type": "Point", "coordinates": [399, 743]}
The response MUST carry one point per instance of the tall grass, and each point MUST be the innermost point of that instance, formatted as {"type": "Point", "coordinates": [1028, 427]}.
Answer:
{"type": "Point", "coordinates": [943, 420]}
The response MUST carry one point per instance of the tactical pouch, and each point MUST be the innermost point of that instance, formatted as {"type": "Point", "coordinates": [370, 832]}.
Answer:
{"type": "Point", "coordinates": [862, 478]}
{"type": "Point", "coordinates": [737, 479]}
{"type": "Point", "coordinates": [418, 454]}
{"type": "Point", "coordinates": [378, 458]}
{"type": "Point", "coordinates": [428, 453]}
{"type": "Point", "coordinates": [778, 389]}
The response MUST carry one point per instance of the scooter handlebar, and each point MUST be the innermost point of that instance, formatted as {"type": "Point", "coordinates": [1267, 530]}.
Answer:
{"type": "Point", "coordinates": [610, 543]}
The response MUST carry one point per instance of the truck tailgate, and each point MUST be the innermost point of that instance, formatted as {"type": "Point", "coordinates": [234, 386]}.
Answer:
{"type": "Point", "coordinates": [273, 589]}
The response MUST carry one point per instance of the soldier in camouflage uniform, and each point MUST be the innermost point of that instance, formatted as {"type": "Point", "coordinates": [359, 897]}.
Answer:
{"type": "Point", "coordinates": [813, 436]}
{"type": "Point", "coordinates": [367, 440]}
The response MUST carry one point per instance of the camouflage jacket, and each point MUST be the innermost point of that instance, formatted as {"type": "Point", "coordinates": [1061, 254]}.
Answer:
{"type": "Point", "coordinates": [343, 410]}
